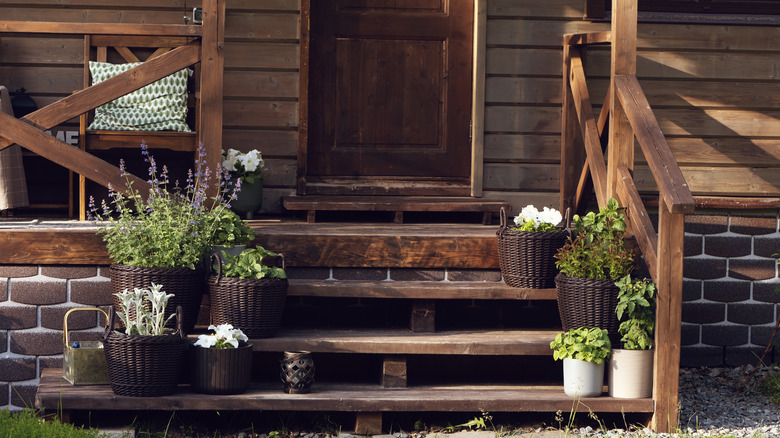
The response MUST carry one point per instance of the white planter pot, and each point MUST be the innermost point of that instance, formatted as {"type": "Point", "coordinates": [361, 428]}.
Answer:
{"type": "Point", "coordinates": [582, 379]}
{"type": "Point", "coordinates": [631, 373]}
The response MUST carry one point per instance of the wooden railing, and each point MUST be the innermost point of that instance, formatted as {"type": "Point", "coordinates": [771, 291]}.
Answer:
{"type": "Point", "coordinates": [626, 116]}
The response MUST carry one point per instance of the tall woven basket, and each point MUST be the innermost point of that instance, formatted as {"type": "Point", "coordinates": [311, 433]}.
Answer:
{"type": "Point", "coordinates": [527, 258]}
{"type": "Point", "coordinates": [144, 366]}
{"type": "Point", "coordinates": [587, 302]}
{"type": "Point", "coordinates": [254, 306]}
{"type": "Point", "coordinates": [186, 284]}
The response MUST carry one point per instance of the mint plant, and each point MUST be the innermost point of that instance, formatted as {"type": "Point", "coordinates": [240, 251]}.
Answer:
{"type": "Point", "coordinates": [584, 343]}
{"type": "Point", "coordinates": [249, 264]}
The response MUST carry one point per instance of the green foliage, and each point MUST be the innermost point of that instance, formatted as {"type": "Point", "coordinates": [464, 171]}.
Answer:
{"type": "Point", "coordinates": [231, 230]}
{"type": "Point", "coordinates": [26, 424]}
{"type": "Point", "coordinates": [143, 310]}
{"type": "Point", "coordinates": [169, 227]}
{"type": "Point", "coordinates": [596, 248]}
{"type": "Point", "coordinates": [249, 264]}
{"type": "Point", "coordinates": [636, 301]}
{"type": "Point", "coordinates": [769, 386]}
{"type": "Point", "coordinates": [584, 343]}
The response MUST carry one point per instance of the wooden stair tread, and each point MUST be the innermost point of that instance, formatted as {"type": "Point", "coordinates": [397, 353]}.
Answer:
{"type": "Point", "coordinates": [54, 393]}
{"type": "Point", "coordinates": [462, 342]}
{"type": "Point", "coordinates": [392, 203]}
{"type": "Point", "coordinates": [416, 290]}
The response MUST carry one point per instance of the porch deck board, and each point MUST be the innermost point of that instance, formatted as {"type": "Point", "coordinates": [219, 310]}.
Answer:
{"type": "Point", "coordinates": [54, 393]}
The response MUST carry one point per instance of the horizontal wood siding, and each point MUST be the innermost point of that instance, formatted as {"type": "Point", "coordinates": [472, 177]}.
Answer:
{"type": "Point", "coordinates": [261, 70]}
{"type": "Point", "coordinates": [714, 89]}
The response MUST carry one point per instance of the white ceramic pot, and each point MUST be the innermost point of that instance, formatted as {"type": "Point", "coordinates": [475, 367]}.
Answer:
{"type": "Point", "coordinates": [582, 379]}
{"type": "Point", "coordinates": [630, 373]}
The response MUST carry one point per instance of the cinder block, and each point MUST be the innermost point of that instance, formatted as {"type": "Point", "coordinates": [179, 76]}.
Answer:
{"type": "Point", "coordinates": [725, 335]}
{"type": "Point", "coordinates": [753, 224]}
{"type": "Point", "coordinates": [53, 317]}
{"type": "Point", "coordinates": [693, 245]}
{"type": "Point", "coordinates": [766, 246]}
{"type": "Point", "coordinates": [704, 268]}
{"type": "Point", "coordinates": [91, 292]}
{"type": "Point", "coordinates": [14, 369]}
{"type": "Point", "coordinates": [692, 290]}
{"type": "Point", "coordinates": [18, 317]}
{"type": "Point", "coordinates": [19, 271]}
{"type": "Point", "coordinates": [766, 292]}
{"type": "Point", "coordinates": [751, 314]}
{"type": "Point", "coordinates": [36, 342]}
{"type": "Point", "coordinates": [23, 394]}
{"type": "Point", "coordinates": [703, 313]}
{"type": "Point", "coordinates": [360, 274]}
{"type": "Point", "coordinates": [690, 334]}
{"type": "Point", "coordinates": [706, 224]}
{"type": "Point", "coordinates": [727, 246]}
{"type": "Point", "coordinates": [39, 291]}
{"type": "Point", "coordinates": [727, 291]}
{"type": "Point", "coordinates": [69, 272]}
{"type": "Point", "coordinates": [409, 274]}
{"type": "Point", "coordinates": [701, 356]}
{"type": "Point", "coordinates": [738, 356]}
{"type": "Point", "coordinates": [487, 275]}
{"type": "Point", "coordinates": [752, 269]}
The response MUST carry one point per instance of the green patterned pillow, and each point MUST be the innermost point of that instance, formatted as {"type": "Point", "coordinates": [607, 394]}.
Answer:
{"type": "Point", "coordinates": [159, 106]}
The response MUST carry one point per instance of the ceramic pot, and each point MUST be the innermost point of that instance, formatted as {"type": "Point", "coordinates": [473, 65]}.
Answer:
{"type": "Point", "coordinates": [630, 373]}
{"type": "Point", "coordinates": [220, 370]}
{"type": "Point", "coordinates": [249, 200]}
{"type": "Point", "coordinates": [582, 379]}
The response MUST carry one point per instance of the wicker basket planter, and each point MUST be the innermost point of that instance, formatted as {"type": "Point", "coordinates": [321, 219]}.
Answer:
{"type": "Point", "coordinates": [256, 306]}
{"type": "Point", "coordinates": [527, 258]}
{"type": "Point", "coordinates": [186, 284]}
{"type": "Point", "coordinates": [144, 366]}
{"type": "Point", "coordinates": [220, 370]}
{"type": "Point", "coordinates": [586, 302]}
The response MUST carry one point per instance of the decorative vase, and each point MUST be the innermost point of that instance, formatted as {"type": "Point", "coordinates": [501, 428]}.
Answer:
{"type": "Point", "coordinates": [630, 373]}
{"type": "Point", "coordinates": [297, 372]}
{"type": "Point", "coordinates": [220, 370]}
{"type": "Point", "coordinates": [186, 284]}
{"type": "Point", "coordinates": [587, 302]}
{"type": "Point", "coordinates": [249, 199]}
{"type": "Point", "coordinates": [582, 379]}
{"type": "Point", "coordinates": [144, 366]}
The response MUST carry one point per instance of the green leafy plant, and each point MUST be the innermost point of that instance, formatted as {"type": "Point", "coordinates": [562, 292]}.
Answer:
{"type": "Point", "coordinates": [531, 219]}
{"type": "Point", "coordinates": [26, 423]}
{"type": "Point", "coordinates": [249, 264]}
{"type": "Point", "coordinates": [596, 248]}
{"type": "Point", "coordinates": [584, 343]}
{"type": "Point", "coordinates": [230, 230]}
{"type": "Point", "coordinates": [143, 310]}
{"type": "Point", "coordinates": [168, 227]}
{"type": "Point", "coordinates": [636, 301]}
{"type": "Point", "coordinates": [249, 166]}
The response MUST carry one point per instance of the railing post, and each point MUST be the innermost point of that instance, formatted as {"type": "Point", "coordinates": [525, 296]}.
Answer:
{"type": "Point", "coordinates": [668, 317]}
{"type": "Point", "coordinates": [211, 64]}
{"type": "Point", "coordinates": [621, 137]}
{"type": "Point", "coordinates": [572, 156]}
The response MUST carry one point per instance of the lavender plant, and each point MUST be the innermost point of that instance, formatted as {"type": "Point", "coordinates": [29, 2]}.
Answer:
{"type": "Point", "coordinates": [171, 227]}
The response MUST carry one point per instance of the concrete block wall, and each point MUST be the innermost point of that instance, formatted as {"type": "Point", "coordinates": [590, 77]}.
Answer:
{"type": "Point", "coordinates": [33, 302]}
{"type": "Point", "coordinates": [729, 300]}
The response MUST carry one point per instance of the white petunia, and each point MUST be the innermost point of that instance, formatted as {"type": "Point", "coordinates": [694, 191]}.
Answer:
{"type": "Point", "coordinates": [528, 214]}
{"type": "Point", "coordinates": [206, 341]}
{"type": "Point", "coordinates": [229, 162]}
{"type": "Point", "coordinates": [550, 216]}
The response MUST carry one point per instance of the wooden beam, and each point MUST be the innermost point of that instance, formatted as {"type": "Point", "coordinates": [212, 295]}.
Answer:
{"type": "Point", "coordinates": [108, 90]}
{"type": "Point", "coordinates": [394, 373]}
{"type": "Point", "coordinates": [667, 174]}
{"type": "Point", "coordinates": [100, 28]}
{"type": "Point", "coordinates": [621, 138]}
{"type": "Point", "coordinates": [572, 157]}
{"type": "Point", "coordinates": [52, 247]}
{"type": "Point", "coordinates": [72, 158]}
{"type": "Point", "coordinates": [477, 133]}
{"type": "Point", "coordinates": [587, 38]}
{"type": "Point", "coordinates": [639, 221]}
{"type": "Point", "coordinates": [668, 326]}
{"type": "Point", "coordinates": [211, 87]}
{"type": "Point", "coordinates": [423, 317]}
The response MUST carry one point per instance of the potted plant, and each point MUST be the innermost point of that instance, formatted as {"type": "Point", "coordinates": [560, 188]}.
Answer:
{"type": "Point", "coordinates": [630, 372]}
{"type": "Point", "coordinates": [248, 293]}
{"type": "Point", "coordinates": [593, 258]}
{"type": "Point", "coordinates": [246, 171]}
{"type": "Point", "coordinates": [583, 351]}
{"type": "Point", "coordinates": [526, 251]}
{"type": "Point", "coordinates": [161, 237]}
{"type": "Point", "coordinates": [221, 362]}
{"type": "Point", "coordinates": [145, 360]}
{"type": "Point", "coordinates": [231, 233]}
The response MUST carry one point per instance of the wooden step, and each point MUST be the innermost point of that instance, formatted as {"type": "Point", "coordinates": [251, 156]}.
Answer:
{"type": "Point", "coordinates": [472, 342]}
{"type": "Point", "coordinates": [395, 204]}
{"type": "Point", "coordinates": [434, 290]}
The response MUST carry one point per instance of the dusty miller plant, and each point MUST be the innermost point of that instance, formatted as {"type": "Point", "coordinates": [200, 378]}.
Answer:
{"type": "Point", "coordinates": [170, 227]}
{"type": "Point", "coordinates": [143, 310]}
{"type": "Point", "coordinates": [596, 248]}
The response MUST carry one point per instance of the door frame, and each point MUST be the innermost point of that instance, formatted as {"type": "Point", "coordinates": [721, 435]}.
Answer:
{"type": "Point", "coordinates": [477, 97]}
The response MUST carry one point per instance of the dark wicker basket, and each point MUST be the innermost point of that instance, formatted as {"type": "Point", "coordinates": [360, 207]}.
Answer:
{"type": "Point", "coordinates": [186, 284]}
{"type": "Point", "coordinates": [587, 302]}
{"type": "Point", "coordinates": [527, 258]}
{"type": "Point", "coordinates": [254, 306]}
{"type": "Point", "coordinates": [144, 366]}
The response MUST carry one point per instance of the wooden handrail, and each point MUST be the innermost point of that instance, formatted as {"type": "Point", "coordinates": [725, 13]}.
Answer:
{"type": "Point", "coordinates": [667, 174]}
{"type": "Point", "coordinates": [100, 28]}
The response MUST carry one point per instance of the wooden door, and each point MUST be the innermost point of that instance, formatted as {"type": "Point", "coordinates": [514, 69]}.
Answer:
{"type": "Point", "coordinates": [389, 97]}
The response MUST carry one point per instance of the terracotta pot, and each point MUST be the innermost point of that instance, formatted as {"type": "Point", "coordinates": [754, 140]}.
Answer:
{"type": "Point", "coordinates": [220, 370]}
{"type": "Point", "coordinates": [630, 373]}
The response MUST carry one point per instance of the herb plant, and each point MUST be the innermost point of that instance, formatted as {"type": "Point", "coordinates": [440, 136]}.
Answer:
{"type": "Point", "coordinates": [584, 343]}
{"type": "Point", "coordinates": [596, 249]}
{"type": "Point", "coordinates": [231, 230]}
{"type": "Point", "coordinates": [531, 219]}
{"type": "Point", "coordinates": [143, 310]}
{"type": "Point", "coordinates": [249, 264]}
{"type": "Point", "coordinates": [171, 226]}
{"type": "Point", "coordinates": [636, 301]}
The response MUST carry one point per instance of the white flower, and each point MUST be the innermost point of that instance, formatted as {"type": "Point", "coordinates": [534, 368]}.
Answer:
{"type": "Point", "coordinates": [528, 214]}
{"type": "Point", "coordinates": [550, 216]}
{"type": "Point", "coordinates": [206, 341]}
{"type": "Point", "coordinates": [251, 160]}
{"type": "Point", "coordinates": [229, 162]}
{"type": "Point", "coordinates": [225, 336]}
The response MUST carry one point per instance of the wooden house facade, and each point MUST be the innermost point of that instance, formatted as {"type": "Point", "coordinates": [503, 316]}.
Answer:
{"type": "Point", "coordinates": [493, 130]}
